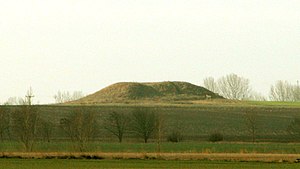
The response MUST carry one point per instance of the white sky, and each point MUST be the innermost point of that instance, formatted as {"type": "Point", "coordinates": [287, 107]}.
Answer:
{"type": "Point", "coordinates": [86, 45]}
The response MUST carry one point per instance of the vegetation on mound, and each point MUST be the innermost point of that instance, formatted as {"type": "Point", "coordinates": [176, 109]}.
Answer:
{"type": "Point", "coordinates": [164, 91]}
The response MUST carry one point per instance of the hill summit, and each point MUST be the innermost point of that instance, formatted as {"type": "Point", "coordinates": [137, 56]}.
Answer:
{"type": "Point", "coordinates": [153, 91]}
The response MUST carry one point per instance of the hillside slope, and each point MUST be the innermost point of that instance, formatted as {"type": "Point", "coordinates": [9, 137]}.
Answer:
{"type": "Point", "coordinates": [154, 91]}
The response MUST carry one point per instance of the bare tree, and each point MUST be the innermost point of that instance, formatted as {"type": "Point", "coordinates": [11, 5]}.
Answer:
{"type": "Point", "coordinates": [281, 91]}
{"type": "Point", "coordinates": [62, 97]}
{"type": "Point", "coordinates": [4, 122]}
{"type": "Point", "coordinates": [251, 124]}
{"type": "Point", "coordinates": [160, 125]}
{"type": "Point", "coordinates": [211, 84]}
{"type": "Point", "coordinates": [257, 96]}
{"type": "Point", "coordinates": [77, 95]}
{"type": "Point", "coordinates": [234, 87]}
{"type": "Point", "coordinates": [117, 123]}
{"type": "Point", "coordinates": [176, 132]}
{"type": "Point", "coordinates": [46, 129]}
{"type": "Point", "coordinates": [296, 92]}
{"type": "Point", "coordinates": [20, 100]}
{"type": "Point", "coordinates": [29, 96]}
{"type": "Point", "coordinates": [15, 101]}
{"type": "Point", "coordinates": [294, 127]}
{"type": "Point", "coordinates": [144, 123]}
{"type": "Point", "coordinates": [80, 127]}
{"type": "Point", "coordinates": [25, 122]}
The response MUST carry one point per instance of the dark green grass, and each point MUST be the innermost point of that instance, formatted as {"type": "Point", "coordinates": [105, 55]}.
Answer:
{"type": "Point", "coordinates": [93, 164]}
{"type": "Point", "coordinates": [201, 147]}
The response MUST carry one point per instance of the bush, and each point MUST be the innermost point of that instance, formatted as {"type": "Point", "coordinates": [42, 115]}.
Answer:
{"type": "Point", "coordinates": [215, 137]}
{"type": "Point", "coordinates": [175, 137]}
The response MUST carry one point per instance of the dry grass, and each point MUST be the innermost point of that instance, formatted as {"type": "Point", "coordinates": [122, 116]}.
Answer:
{"type": "Point", "coordinates": [125, 92]}
{"type": "Point", "coordinates": [162, 156]}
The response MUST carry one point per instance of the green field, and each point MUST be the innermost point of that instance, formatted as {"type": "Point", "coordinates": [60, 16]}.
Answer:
{"type": "Point", "coordinates": [197, 121]}
{"type": "Point", "coordinates": [93, 164]}
{"type": "Point", "coordinates": [189, 147]}
{"type": "Point", "coordinates": [273, 103]}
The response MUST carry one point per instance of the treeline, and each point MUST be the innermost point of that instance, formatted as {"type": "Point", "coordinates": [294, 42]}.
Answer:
{"type": "Point", "coordinates": [26, 125]}
{"type": "Point", "coordinates": [59, 97]}
{"type": "Point", "coordinates": [231, 86]}
{"type": "Point", "coordinates": [237, 87]}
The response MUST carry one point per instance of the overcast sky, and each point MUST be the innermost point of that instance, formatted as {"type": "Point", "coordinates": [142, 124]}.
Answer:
{"type": "Point", "coordinates": [86, 45]}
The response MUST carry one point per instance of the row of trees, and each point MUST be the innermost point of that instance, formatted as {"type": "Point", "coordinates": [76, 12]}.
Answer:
{"type": "Point", "coordinates": [236, 87]}
{"type": "Point", "coordinates": [230, 86]}
{"type": "Point", "coordinates": [15, 101]}
{"type": "Point", "coordinates": [66, 96]}
{"type": "Point", "coordinates": [59, 97]}
{"type": "Point", "coordinates": [21, 123]}
{"type": "Point", "coordinates": [81, 126]}
{"type": "Point", "coordinates": [285, 91]}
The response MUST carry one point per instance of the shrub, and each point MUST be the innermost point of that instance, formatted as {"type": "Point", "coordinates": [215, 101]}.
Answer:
{"type": "Point", "coordinates": [215, 137]}
{"type": "Point", "coordinates": [175, 137]}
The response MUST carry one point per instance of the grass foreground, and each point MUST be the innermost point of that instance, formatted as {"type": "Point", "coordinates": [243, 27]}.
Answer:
{"type": "Point", "coordinates": [93, 164]}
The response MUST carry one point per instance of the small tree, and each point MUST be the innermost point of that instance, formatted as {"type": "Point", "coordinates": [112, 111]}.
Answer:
{"type": "Point", "coordinates": [25, 121]}
{"type": "Point", "coordinates": [62, 97]}
{"type": "Point", "coordinates": [216, 136]}
{"type": "Point", "coordinates": [296, 92]}
{"type": "Point", "coordinates": [294, 127]}
{"type": "Point", "coordinates": [144, 123]}
{"type": "Point", "coordinates": [256, 96]}
{"type": "Point", "coordinates": [15, 101]}
{"type": "Point", "coordinates": [46, 129]}
{"type": "Point", "coordinates": [80, 127]}
{"type": "Point", "coordinates": [117, 123]}
{"type": "Point", "coordinates": [160, 125]}
{"type": "Point", "coordinates": [4, 122]}
{"type": "Point", "coordinates": [281, 91]}
{"type": "Point", "coordinates": [176, 134]}
{"type": "Point", "coordinates": [251, 124]}
{"type": "Point", "coordinates": [211, 84]}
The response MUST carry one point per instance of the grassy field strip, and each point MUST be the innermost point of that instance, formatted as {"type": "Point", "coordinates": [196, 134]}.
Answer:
{"type": "Point", "coordinates": [163, 156]}
{"type": "Point", "coordinates": [138, 164]}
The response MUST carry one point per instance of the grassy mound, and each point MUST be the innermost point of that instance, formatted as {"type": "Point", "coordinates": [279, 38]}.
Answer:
{"type": "Point", "coordinates": [155, 91]}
